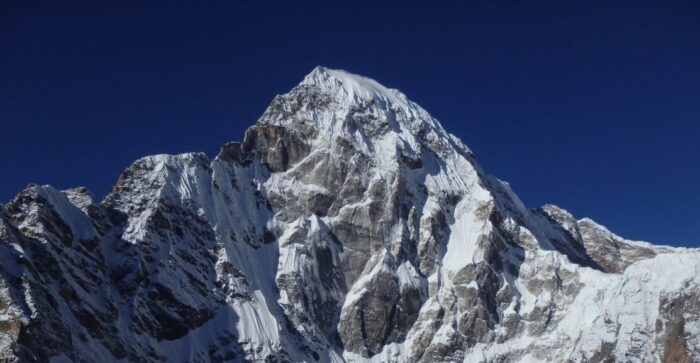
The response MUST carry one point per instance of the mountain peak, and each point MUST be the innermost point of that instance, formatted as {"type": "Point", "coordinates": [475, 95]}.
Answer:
{"type": "Point", "coordinates": [352, 86]}
{"type": "Point", "coordinates": [347, 226]}
{"type": "Point", "coordinates": [361, 103]}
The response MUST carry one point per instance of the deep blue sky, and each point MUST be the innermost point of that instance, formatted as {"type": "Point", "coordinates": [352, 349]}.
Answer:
{"type": "Point", "coordinates": [592, 106]}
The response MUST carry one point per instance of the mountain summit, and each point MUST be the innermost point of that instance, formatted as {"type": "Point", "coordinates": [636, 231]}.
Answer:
{"type": "Point", "coordinates": [347, 226]}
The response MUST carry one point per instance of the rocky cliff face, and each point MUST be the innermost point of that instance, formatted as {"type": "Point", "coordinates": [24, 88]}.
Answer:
{"type": "Point", "coordinates": [348, 225]}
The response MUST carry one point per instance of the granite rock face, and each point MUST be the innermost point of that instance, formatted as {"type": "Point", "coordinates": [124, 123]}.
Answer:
{"type": "Point", "coordinates": [347, 226]}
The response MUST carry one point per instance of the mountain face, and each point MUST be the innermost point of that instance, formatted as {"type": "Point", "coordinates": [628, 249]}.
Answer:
{"type": "Point", "coordinates": [347, 226]}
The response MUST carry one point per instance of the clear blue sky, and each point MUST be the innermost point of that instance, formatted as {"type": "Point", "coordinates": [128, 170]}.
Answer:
{"type": "Point", "coordinates": [592, 106]}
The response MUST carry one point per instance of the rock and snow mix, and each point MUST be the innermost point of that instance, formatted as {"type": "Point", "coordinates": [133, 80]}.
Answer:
{"type": "Point", "coordinates": [348, 225]}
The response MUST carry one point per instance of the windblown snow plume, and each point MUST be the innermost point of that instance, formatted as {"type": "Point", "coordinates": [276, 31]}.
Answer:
{"type": "Point", "coordinates": [347, 226]}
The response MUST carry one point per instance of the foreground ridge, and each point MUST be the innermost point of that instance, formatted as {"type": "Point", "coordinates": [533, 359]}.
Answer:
{"type": "Point", "coordinates": [347, 226]}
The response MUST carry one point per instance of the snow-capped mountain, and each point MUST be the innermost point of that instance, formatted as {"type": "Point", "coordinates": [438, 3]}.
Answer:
{"type": "Point", "coordinates": [347, 226]}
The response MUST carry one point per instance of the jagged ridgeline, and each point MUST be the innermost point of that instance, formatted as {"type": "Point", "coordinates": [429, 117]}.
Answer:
{"type": "Point", "coordinates": [347, 226]}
